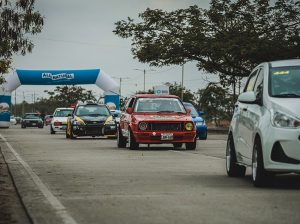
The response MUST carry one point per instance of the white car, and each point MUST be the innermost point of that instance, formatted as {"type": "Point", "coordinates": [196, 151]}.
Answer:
{"type": "Point", "coordinates": [59, 120]}
{"type": "Point", "coordinates": [265, 129]}
{"type": "Point", "coordinates": [13, 120]}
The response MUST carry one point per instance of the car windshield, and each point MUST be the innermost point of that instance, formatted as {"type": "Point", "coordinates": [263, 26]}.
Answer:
{"type": "Point", "coordinates": [92, 110]}
{"type": "Point", "coordinates": [285, 82]}
{"type": "Point", "coordinates": [62, 112]}
{"type": "Point", "coordinates": [32, 116]}
{"type": "Point", "coordinates": [194, 112]}
{"type": "Point", "coordinates": [159, 105]}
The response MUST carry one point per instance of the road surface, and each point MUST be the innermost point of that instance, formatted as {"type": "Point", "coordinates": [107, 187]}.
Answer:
{"type": "Point", "coordinates": [92, 181]}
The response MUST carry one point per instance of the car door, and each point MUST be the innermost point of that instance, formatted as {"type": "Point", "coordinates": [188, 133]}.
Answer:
{"type": "Point", "coordinates": [253, 114]}
{"type": "Point", "coordinates": [243, 122]}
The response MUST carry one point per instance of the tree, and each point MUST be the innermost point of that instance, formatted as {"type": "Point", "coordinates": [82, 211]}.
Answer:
{"type": "Point", "coordinates": [229, 39]}
{"type": "Point", "coordinates": [216, 103]}
{"type": "Point", "coordinates": [175, 89]}
{"type": "Point", "coordinates": [66, 95]}
{"type": "Point", "coordinates": [18, 20]}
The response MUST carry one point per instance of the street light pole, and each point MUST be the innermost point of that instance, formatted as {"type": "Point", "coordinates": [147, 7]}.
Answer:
{"type": "Point", "coordinates": [144, 71]}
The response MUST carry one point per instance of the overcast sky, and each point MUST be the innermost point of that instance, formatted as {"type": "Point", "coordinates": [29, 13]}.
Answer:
{"type": "Point", "coordinates": [78, 34]}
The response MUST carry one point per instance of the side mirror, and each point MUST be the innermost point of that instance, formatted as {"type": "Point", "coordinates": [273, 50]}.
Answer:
{"type": "Point", "coordinates": [129, 110]}
{"type": "Point", "coordinates": [188, 110]}
{"type": "Point", "coordinates": [247, 97]}
{"type": "Point", "coordinates": [200, 113]}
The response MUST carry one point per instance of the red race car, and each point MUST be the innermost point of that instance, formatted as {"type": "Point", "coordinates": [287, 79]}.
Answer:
{"type": "Point", "coordinates": [156, 119]}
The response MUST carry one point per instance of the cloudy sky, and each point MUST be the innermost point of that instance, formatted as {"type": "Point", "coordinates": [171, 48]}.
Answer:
{"type": "Point", "coordinates": [78, 35]}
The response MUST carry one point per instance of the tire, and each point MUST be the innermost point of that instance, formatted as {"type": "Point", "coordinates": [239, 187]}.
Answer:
{"type": "Point", "coordinates": [120, 139]}
{"type": "Point", "coordinates": [131, 141]}
{"type": "Point", "coordinates": [260, 177]}
{"type": "Point", "coordinates": [191, 145]}
{"type": "Point", "coordinates": [177, 145]}
{"type": "Point", "coordinates": [233, 169]}
{"type": "Point", "coordinates": [52, 132]}
{"type": "Point", "coordinates": [71, 134]}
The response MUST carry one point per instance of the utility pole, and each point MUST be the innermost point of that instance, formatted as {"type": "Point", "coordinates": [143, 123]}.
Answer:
{"type": "Point", "coordinates": [144, 71]}
{"type": "Point", "coordinates": [121, 79]}
{"type": "Point", "coordinates": [182, 78]}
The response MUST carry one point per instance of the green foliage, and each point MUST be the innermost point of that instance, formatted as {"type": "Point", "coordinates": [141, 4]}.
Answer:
{"type": "Point", "coordinates": [64, 96]}
{"type": "Point", "coordinates": [229, 39]}
{"type": "Point", "coordinates": [175, 89]}
{"type": "Point", "coordinates": [216, 102]}
{"type": "Point", "coordinates": [18, 20]}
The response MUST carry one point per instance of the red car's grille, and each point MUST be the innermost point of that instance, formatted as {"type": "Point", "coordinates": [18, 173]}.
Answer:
{"type": "Point", "coordinates": [165, 126]}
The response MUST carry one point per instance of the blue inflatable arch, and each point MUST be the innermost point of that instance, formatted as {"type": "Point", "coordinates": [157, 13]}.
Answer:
{"type": "Point", "coordinates": [51, 77]}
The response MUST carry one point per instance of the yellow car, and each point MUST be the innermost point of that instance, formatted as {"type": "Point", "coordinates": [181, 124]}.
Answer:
{"type": "Point", "coordinates": [90, 119]}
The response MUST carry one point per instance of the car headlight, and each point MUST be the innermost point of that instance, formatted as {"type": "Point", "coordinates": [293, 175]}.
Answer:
{"type": "Point", "coordinates": [78, 123]}
{"type": "Point", "coordinates": [281, 120]}
{"type": "Point", "coordinates": [189, 126]}
{"type": "Point", "coordinates": [112, 122]}
{"type": "Point", "coordinates": [143, 126]}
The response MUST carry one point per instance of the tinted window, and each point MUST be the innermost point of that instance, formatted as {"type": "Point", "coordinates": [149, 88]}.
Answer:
{"type": "Point", "coordinates": [92, 110]}
{"type": "Point", "coordinates": [194, 112]}
{"type": "Point", "coordinates": [285, 81]}
{"type": "Point", "coordinates": [32, 116]}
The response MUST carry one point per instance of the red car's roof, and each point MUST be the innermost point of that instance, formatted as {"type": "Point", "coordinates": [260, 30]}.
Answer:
{"type": "Point", "coordinates": [155, 96]}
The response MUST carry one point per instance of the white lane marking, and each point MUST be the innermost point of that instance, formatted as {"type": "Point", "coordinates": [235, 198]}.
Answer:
{"type": "Point", "coordinates": [54, 202]}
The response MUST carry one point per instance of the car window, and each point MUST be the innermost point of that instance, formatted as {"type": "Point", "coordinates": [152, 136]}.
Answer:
{"type": "Point", "coordinates": [251, 81]}
{"type": "Point", "coordinates": [285, 81]}
{"type": "Point", "coordinates": [194, 112]}
{"type": "Point", "coordinates": [158, 105]}
{"type": "Point", "coordinates": [92, 110]}
{"type": "Point", "coordinates": [62, 112]}
{"type": "Point", "coordinates": [32, 116]}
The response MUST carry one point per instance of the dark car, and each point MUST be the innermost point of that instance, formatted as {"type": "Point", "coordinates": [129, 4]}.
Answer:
{"type": "Point", "coordinates": [32, 120]}
{"type": "Point", "coordinates": [90, 119]}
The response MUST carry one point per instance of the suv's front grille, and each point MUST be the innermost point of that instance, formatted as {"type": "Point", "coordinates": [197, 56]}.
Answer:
{"type": "Point", "coordinates": [165, 126]}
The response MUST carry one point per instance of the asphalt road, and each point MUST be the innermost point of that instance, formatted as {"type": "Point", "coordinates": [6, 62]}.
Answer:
{"type": "Point", "coordinates": [92, 181]}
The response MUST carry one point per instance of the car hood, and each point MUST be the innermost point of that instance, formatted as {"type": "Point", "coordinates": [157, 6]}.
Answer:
{"type": "Point", "coordinates": [162, 117]}
{"type": "Point", "coordinates": [93, 118]}
{"type": "Point", "coordinates": [290, 106]}
{"type": "Point", "coordinates": [198, 119]}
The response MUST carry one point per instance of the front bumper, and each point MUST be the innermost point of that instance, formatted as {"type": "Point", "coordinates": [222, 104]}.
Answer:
{"type": "Point", "coordinates": [60, 128]}
{"type": "Point", "coordinates": [281, 149]}
{"type": "Point", "coordinates": [94, 130]}
{"type": "Point", "coordinates": [33, 124]}
{"type": "Point", "coordinates": [201, 132]}
{"type": "Point", "coordinates": [154, 137]}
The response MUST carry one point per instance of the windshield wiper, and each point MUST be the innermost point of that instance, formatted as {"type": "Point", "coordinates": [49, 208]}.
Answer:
{"type": "Point", "coordinates": [287, 95]}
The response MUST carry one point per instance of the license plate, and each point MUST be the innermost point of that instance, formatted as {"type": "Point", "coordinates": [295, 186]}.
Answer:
{"type": "Point", "coordinates": [33, 124]}
{"type": "Point", "coordinates": [167, 136]}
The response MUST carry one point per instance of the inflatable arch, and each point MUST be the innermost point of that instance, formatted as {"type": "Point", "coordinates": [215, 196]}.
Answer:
{"type": "Point", "coordinates": [51, 77]}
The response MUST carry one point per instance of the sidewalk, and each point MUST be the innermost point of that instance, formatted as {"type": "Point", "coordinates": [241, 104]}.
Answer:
{"type": "Point", "coordinates": [11, 209]}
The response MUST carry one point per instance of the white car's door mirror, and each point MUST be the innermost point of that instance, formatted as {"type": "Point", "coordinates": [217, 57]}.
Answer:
{"type": "Point", "coordinates": [247, 97]}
